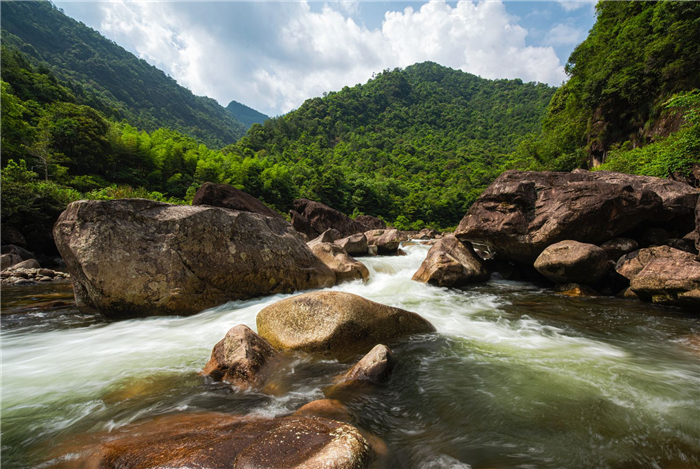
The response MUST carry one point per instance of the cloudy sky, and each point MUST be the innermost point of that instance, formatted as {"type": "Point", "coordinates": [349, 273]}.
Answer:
{"type": "Point", "coordinates": [274, 55]}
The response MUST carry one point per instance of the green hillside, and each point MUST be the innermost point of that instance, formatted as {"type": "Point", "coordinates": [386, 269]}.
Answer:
{"type": "Point", "coordinates": [637, 56]}
{"type": "Point", "coordinates": [111, 79]}
{"type": "Point", "coordinates": [247, 115]}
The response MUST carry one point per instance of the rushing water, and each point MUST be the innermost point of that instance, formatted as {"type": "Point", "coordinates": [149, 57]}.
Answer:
{"type": "Point", "coordinates": [516, 377]}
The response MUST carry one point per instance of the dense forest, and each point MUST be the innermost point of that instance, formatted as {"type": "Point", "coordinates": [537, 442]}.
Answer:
{"type": "Point", "coordinates": [619, 105]}
{"type": "Point", "coordinates": [415, 146]}
{"type": "Point", "coordinates": [246, 115]}
{"type": "Point", "coordinates": [110, 79]}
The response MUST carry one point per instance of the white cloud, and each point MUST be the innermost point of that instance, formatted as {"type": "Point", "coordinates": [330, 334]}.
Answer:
{"type": "Point", "coordinates": [273, 56]}
{"type": "Point", "coordinates": [570, 5]}
{"type": "Point", "coordinates": [564, 35]}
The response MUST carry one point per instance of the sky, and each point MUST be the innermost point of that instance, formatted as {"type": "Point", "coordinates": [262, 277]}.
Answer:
{"type": "Point", "coordinates": [272, 56]}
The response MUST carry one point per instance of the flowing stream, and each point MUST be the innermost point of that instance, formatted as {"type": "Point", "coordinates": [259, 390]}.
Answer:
{"type": "Point", "coordinates": [516, 377]}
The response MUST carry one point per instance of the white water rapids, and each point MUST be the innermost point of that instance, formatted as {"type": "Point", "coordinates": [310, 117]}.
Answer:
{"type": "Point", "coordinates": [515, 377]}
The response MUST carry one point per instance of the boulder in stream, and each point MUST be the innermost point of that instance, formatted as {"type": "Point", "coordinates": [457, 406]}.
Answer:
{"type": "Point", "coordinates": [573, 262]}
{"type": "Point", "coordinates": [322, 217]}
{"type": "Point", "coordinates": [135, 257]}
{"type": "Point", "coordinates": [370, 222]}
{"type": "Point", "coordinates": [345, 267]}
{"type": "Point", "coordinates": [355, 245]}
{"type": "Point", "coordinates": [225, 196]}
{"type": "Point", "coordinates": [387, 241]}
{"type": "Point", "coordinates": [336, 324]}
{"type": "Point", "coordinates": [452, 263]}
{"type": "Point", "coordinates": [239, 358]}
{"type": "Point", "coordinates": [216, 440]}
{"type": "Point", "coordinates": [374, 368]}
{"type": "Point", "coordinates": [523, 212]}
{"type": "Point", "coordinates": [663, 275]}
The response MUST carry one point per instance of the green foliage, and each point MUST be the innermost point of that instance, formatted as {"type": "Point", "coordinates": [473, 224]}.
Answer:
{"type": "Point", "coordinates": [244, 114]}
{"type": "Point", "coordinates": [637, 55]}
{"type": "Point", "coordinates": [100, 74]}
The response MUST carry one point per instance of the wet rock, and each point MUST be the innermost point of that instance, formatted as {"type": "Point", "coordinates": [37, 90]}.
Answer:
{"type": "Point", "coordinates": [9, 260]}
{"type": "Point", "coordinates": [345, 267]}
{"type": "Point", "coordinates": [521, 212]}
{"type": "Point", "coordinates": [335, 323]}
{"type": "Point", "coordinates": [179, 259]}
{"type": "Point", "coordinates": [225, 196]}
{"type": "Point", "coordinates": [575, 289]}
{"type": "Point", "coordinates": [322, 217]}
{"type": "Point", "coordinates": [239, 358]}
{"type": "Point", "coordinates": [11, 275]}
{"type": "Point", "coordinates": [20, 251]}
{"type": "Point", "coordinates": [372, 250]}
{"type": "Point", "coordinates": [663, 275]}
{"type": "Point", "coordinates": [326, 408]}
{"type": "Point", "coordinates": [387, 241]}
{"type": "Point", "coordinates": [213, 440]}
{"type": "Point", "coordinates": [451, 263]}
{"type": "Point", "coordinates": [618, 247]}
{"type": "Point", "coordinates": [573, 262]}
{"type": "Point", "coordinates": [355, 245]}
{"type": "Point", "coordinates": [302, 225]}
{"type": "Point", "coordinates": [375, 367]}
{"type": "Point", "coordinates": [427, 233]}
{"type": "Point", "coordinates": [370, 222]}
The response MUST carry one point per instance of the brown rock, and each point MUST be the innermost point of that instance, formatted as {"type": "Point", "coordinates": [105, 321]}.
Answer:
{"type": "Point", "coordinates": [335, 323]}
{"type": "Point", "coordinates": [375, 367]}
{"type": "Point", "coordinates": [302, 225]}
{"type": "Point", "coordinates": [239, 358]}
{"type": "Point", "coordinates": [225, 196]}
{"type": "Point", "coordinates": [11, 235]}
{"type": "Point", "coordinates": [573, 262]}
{"type": "Point", "coordinates": [663, 275]}
{"type": "Point", "coordinates": [212, 440]}
{"type": "Point", "coordinates": [370, 222]}
{"type": "Point", "coordinates": [28, 264]}
{"type": "Point", "coordinates": [346, 268]}
{"type": "Point", "coordinates": [355, 245]}
{"type": "Point", "coordinates": [9, 260]}
{"type": "Point", "coordinates": [427, 233]}
{"type": "Point", "coordinates": [618, 247]}
{"type": "Point", "coordinates": [372, 250]}
{"type": "Point", "coordinates": [387, 241]}
{"type": "Point", "coordinates": [328, 236]}
{"type": "Point", "coordinates": [134, 257]}
{"type": "Point", "coordinates": [521, 213]}
{"type": "Point", "coordinates": [326, 408]}
{"type": "Point", "coordinates": [322, 217]}
{"type": "Point", "coordinates": [451, 263]}
{"type": "Point", "coordinates": [20, 251]}
{"type": "Point", "coordinates": [575, 289]}
{"type": "Point", "coordinates": [682, 244]}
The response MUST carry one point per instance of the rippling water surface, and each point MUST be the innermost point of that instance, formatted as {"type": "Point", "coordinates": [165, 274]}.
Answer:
{"type": "Point", "coordinates": [516, 377]}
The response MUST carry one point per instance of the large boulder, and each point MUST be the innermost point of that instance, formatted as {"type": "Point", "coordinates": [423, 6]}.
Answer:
{"type": "Point", "coordinates": [328, 236]}
{"type": "Point", "coordinates": [28, 264]}
{"type": "Point", "coordinates": [387, 241]}
{"type": "Point", "coordinates": [522, 212]}
{"type": "Point", "coordinates": [452, 263]}
{"type": "Point", "coordinates": [8, 260]}
{"type": "Point", "coordinates": [225, 196]}
{"type": "Point", "coordinates": [355, 245]}
{"type": "Point", "coordinates": [322, 217]}
{"type": "Point", "coordinates": [216, 440]}
{"type": "Point", "coordinates": [346, 268]}
{"type": "Point", "coordinates": [335, 323]}
{"type": "Point", "coordinates": [573, 262]}
{"type": "Point", "coordinates": [135, 257]}
{"type": "Point", "coordinates": [239, 358]}
{"type": "Point", "coordinates": [302, 225]}
{"type": "Point", "coordinates": [370, 222]}
{"type": "Point", "coordinates": [663, 275]}
{"type": "Point", "coordinates": [20, 251]}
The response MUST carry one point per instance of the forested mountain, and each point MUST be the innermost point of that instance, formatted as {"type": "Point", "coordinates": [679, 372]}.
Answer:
{"type": "Point", "coordinates": [419, 143]}
{"type": "Point", "coordinates": [247, 115]}
{"type": "Point", "coordinates": [637, 56]}
{"type": "Point", "coordinates": [110, 79]}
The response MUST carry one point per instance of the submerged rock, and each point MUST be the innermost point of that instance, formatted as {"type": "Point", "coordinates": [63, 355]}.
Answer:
{"type": "Point", "coordinates": [522, 212]}
{"type": "Point", "coordinates": [451, 263]}
{"type": "Point", "coordinates": [214, 440]}
{"type": "Point", "coordinates": [355, 245]}
{"type": "Point", "coordinates": [326, 408]}
{"type": "Point", "coordinates": [135, 257]}
{"type": "Point", "coordinates": [225, 196]}
{"type": "Point", "coordinates": [387, 241]}
{"type": "Point", "coordinates": [345, 267]}
{"type": "Point", "coordinates": [321, 217]}
{"type": "Point", "coordinates": [335, 323]}
{"type": "Point", "coordinates": [239, 358]}
{"type": "Point", "coordinates": [573, 262]}
{"type": "Point", "coordinates": [663, 275]}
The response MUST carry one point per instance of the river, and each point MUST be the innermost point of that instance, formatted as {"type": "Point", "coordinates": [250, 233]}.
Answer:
{"type": "Point", "coordinates": [516, 377]}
